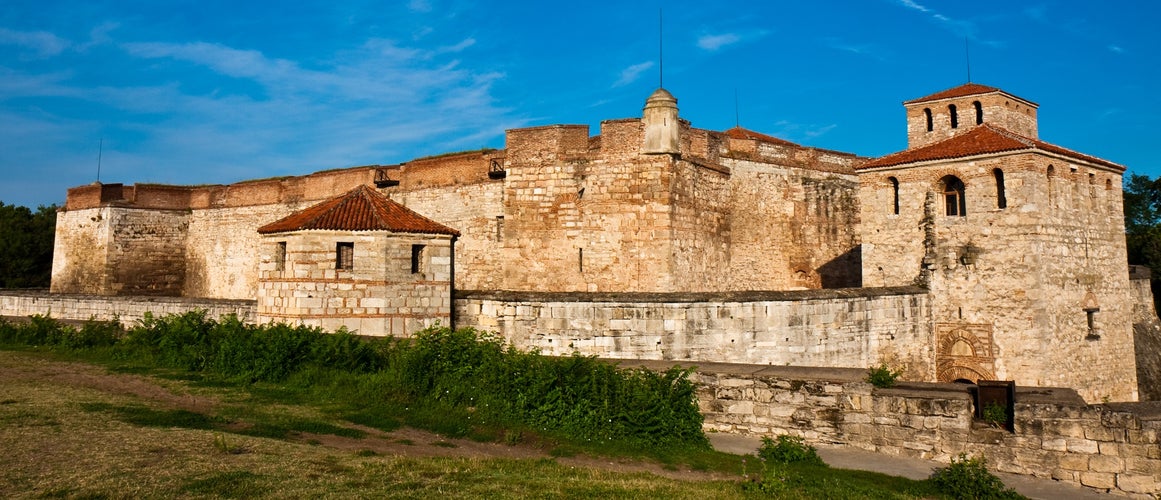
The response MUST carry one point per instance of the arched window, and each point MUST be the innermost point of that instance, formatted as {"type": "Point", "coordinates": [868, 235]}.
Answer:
{"type": "Point", "coordinates": [979, 112]}
{"type": "Point", "coordinates": [1108, 184]}
{"type": "Point", "coordinates": [927, 114]}
{"type": "Point", "coordinates": [953, 196]}
{"type": "Point", "coordinates": [1001, 199]}
{"type": "Point", "coordinates": [894, 195]}
{"type": "Point", "coordinates": [954, 117]}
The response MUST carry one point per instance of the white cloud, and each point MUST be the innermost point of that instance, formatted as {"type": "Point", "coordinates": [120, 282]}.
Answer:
{"type": "Point", "coordinates": [715, 42]}
{"type": "Point", "coordinates": [419, 5]}
{"type": "Point", "coordinates": [818, 131]}
{"type": "Point", "coordinates": [1117, 48]}
{"type": "Point", "coordinates": [913, 5]}
{"type": "Point", "coordinates": [45, 44]}
{"type": "Point", "coordinates": [632, 73]}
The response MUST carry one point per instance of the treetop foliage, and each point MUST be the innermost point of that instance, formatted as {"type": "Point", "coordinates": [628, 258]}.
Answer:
{"type": "Point", "coordinates": [26, 239]}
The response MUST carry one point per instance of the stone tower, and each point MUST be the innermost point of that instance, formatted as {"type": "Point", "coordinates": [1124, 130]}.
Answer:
{"type": "Point", "coordinates": [1020, 242]}
{"type": "Point", "coordinates": [662, 130]}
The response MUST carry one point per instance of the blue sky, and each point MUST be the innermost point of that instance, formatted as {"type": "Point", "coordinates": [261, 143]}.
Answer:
{"type": "Point", "coordinates": [208, 91]}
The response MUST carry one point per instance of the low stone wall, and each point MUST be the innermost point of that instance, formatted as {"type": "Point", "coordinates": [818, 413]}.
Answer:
{"type": "Point", "coordinates": [1114, 447]}
{"type": "Point", "coordinates": [854, 327]}
{"type": "Point", "coordinates": [127, 309]}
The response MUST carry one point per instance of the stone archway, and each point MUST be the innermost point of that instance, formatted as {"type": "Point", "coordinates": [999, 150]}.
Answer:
{"type": "Point", "coordinates": [963, 351]}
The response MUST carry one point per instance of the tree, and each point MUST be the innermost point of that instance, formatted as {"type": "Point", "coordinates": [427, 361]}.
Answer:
{"type": "Point", "coordinates": [1143, 226]}
{"type": "Point", "coordinates": [26, 240]}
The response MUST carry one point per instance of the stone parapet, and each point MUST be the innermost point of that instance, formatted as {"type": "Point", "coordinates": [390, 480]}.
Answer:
{"type": "Point", "coordinates": [127, 309]}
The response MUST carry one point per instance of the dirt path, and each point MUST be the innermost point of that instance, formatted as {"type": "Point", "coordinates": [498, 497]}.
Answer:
{"type": "Point", "coordinates": [407, 442]}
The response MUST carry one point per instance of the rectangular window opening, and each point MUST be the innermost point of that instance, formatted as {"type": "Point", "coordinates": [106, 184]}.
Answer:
{"type": "Point", "coordinates": [499, 228]}
{"type": "Point", "coordinates": [280, 256]}
{"type": "Point", "coordinates": [416, 259]}
{"type": "Point", "coordinates": [345, 255]}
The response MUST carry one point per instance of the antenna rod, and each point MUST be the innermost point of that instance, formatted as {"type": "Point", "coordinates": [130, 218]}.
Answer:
{"type": "Point", "coordinates": [100, 149]}
{"type": "Point", "coordinates": [737, 121]}
{"type": "Point", "coordinates": [660, 49]}
{"type": "Point", "coordinates": [967, 55]}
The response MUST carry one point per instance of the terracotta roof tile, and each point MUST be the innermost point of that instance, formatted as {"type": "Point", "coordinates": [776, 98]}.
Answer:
{"type": "Point", "coordinates": [960, 91]}
{"type": "Point", "coordinates": [360, 209]}
{"type": "Point", "coordinates": [741, 133]}
{"type": "Point", "coordinates": [984, 139]}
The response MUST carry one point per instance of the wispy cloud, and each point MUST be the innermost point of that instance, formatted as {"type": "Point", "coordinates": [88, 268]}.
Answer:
{"type": "Point", "coordinates": [42, 43]}
{"type": "Point", "coordinates": [1117, 48]}
{"type": "Point", "coordinates": [715, 42]}
{"type": "Point", "coordinates": [862, 49]}
{"type": "Point", "coordinates": [632, 73]}
{"type": "Point", "coordinates": [914, 5]}
{"type": "Point", "coordinates": [960, 27]}
{"type": "Point", "coordinates": [377, 102]}
{"type": "Point", "coordinates": [419, 5]}
{"type": "Point", "coordinates": [819, 131]}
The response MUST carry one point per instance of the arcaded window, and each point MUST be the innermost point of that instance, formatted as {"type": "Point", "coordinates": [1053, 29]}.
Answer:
{"type": "Point", "coordinates": [894, 195]}
{"type": "Point", "coordinates": [280, 256]}
{"type": "Point", "coordinates": [954, 117]}
{"type": "Point", "coordinates": [979, 112]}
{"type": "Point", "coordinates": [345, 255]}
{"type": "Point", "coordinates": [1001, 199]}
{"type": "Point", "coordinates": [416, 259]}
{"type": "Point", "coordinates": [927, 114]}
{"type": "Point", "coordinates": [953, 196]}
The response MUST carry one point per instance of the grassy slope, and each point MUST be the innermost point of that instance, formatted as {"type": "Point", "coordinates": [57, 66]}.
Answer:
{"type": "Point", "coordinates": [75, 430]}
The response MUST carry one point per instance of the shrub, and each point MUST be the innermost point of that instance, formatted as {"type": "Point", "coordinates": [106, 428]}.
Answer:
{"type": "Point", "coordinates": [882, 376]}
{"type": "Point", "coordinates": [968, 478]}
{"type": "Point", "coordinates": [995, 414]}
{"type": "Point", "coordinates": [789, 450]}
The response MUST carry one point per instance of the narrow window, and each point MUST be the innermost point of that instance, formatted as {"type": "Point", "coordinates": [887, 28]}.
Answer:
{"type": "Point", "coordinates": [1001, 199]}
{"type": "Point", "coordinates": [1051, 174]}
{"type": "Point", "coordinates": [345, 255]}
{"type": "Point", "coordinates": [416, 258]}
{"type": "Point", "coordinates": [927, 114]}
{"type": "Point", "coordinates": [894, 195]}
{"type": "Point", "coordinates": [954, 117]}
{"type": "Point", "coordinates": [499, 228]}
{"type": "Point", "coordinates": [280, 256]}
{"type": "Point", "coordinates": [1090, 317]}
{"type": "Point", "coordinates": [979, 112]}
{"type": "Point", "coordinates": [953, 196]}
{"type": "Point", "coordinates": [580, 259]}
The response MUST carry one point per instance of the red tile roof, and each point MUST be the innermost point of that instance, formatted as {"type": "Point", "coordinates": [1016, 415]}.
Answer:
{"type": "Point", "coordinates": [360, 209]}
{"type": "Point", "coordinates": [741, 133]}
{"type": "Point", "coordinates": [984, 139]}
{"type": "Point", "coordinates": [962, 91]}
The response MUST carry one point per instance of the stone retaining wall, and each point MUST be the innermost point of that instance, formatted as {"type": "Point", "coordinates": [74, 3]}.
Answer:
{"type": "Point", "coordinates": [1115, 447]}
{"type": "Point", "coordinates": [127, 309]}
{"type": "Point", "coordinates": [851, 327]}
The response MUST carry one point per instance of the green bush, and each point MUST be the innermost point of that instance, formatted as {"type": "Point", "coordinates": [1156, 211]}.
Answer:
{"type": "Point", "coordinates": [995, 414]}
{"type": "Point", "coordinates": [882, 376]}
{"type": "Point", "coordinates": [789, 450]}
{"type": "Point", "coordinates": [967, 478]}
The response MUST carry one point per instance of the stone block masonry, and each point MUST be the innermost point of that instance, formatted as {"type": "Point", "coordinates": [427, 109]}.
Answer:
{"type": "Point", "coordinates": [1114, 447]}
{"type": "Point", "coordinates": [853, 328]}
{"type": "Point", "coordinates": [128, 310]}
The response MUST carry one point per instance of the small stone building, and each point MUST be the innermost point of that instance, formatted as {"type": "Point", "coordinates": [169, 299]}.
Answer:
{"type": "Point", "coordinates": [359, 261]}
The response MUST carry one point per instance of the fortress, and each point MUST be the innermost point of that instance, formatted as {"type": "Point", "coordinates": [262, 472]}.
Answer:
{"type": "Point", "coordinates": [979, 252]}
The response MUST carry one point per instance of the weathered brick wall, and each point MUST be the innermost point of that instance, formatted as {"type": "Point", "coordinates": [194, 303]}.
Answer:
{"type": "Point", "coordinates": [379, 295]}
{"type": "Point", "coordinates": [120, 251]}
{"type": "Point", "coordinates": [792, 228]}
{"type": "Point", "coordinates": [1017, 278]}
{"type": "Point", "coordinates": [477, 212]}
{"type": "Point", "coordinates": [845, 328]}
{"type": "Point", "coordinates": [1108, 446]}
{"type": "Point", "coordinates": [1146, 335]}
{"type": "Point", "coordinates": [127, 309]}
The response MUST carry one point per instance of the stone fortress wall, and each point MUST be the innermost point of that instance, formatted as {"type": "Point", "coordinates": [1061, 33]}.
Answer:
{"type": "Point", "coordinates": [1030, 285]}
